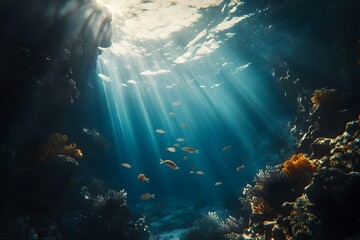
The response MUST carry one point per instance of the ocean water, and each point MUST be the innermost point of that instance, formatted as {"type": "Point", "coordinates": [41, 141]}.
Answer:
{"type": "Point", "coordinates": [188, 68]}
{"type": "Point", "coordinates": [225, 91]}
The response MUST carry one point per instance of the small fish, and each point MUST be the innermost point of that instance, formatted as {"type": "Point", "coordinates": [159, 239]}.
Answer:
{"type": "Point", "coordinates": [180, 139]}
{"type": "Point", "coordinates": [186, 157]}
{"type": "Point", "coordinates": [227, 148]}
{"type": "Point", "coordinates": [176, 103]}
{"type": "Point", "coordinates": [190, 149]}
{"type": "Point", "coordinates": [217, 183]}
{"type": "Point", "coordinates": [143, 178]}
{"type": "Point", "coordinates": [192, 172]}
{"type": "Point", "coordinates": [171, 149]}
{"type": "Point", "coordinates": [147, 196]}
{"type": "Point", "coordinates": [131, 81]}
{"type": "Point", "coordinates": [184, 124]}
{"type": "Point", "coordinates": [78, 153]}
{"type": "Point", "coordinates": [172, 114]}
{"type": "Point", "coordinates": [170, 164]}
{"type": "Point", "coordinates": [126, 165]}
{"type": "Point", "coordinates": [200, 173]}
{"type": "Point", "coordinates": [240, 167]}
{"type": "Point", "coordinates": [160, 131]}
{"type": "Point", "coordinates": [176, 145]}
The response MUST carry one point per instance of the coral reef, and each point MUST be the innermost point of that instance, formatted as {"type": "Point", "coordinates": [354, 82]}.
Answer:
{"type": "Point", "coordinates": [271, 188]}
{"type": "Point", "coordinates": [299, 168]}
{"type": "Point", "coordinates": [55, 145]}
{"type": "Point", "coordinates": [212, 226]}
{"type": "Point", "coordinates": [103, 216]}
{"type": "Point", "coordinates": [326, 98]}
{"type": "Point", "coordinates": [323, 209]}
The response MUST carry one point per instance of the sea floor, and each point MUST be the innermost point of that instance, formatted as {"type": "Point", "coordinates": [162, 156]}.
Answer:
{"type": "Point", "coordinates": [170, 218]}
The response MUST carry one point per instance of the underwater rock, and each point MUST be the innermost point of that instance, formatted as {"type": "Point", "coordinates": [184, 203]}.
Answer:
{"type": "Point", "coordinates": [321, 147]}
{"type": "Point", "coordinates": [336, 196]}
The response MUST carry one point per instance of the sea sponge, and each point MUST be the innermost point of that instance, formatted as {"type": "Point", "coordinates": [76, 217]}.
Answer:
{"type": "Point", "coordinates": [55, 145]}
{"type": "Point", "coordinates": [299, 168]}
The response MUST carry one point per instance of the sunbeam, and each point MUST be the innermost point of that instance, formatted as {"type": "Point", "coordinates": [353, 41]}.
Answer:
{"type": "Point", "coordinates": [161, 72]}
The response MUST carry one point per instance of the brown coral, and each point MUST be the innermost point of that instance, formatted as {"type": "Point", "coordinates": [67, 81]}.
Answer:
{"type": "Point", "coordinates": [328, 98]}
{"type": "Point", "coordinates": [299, 168]}
{"type": "Point", "coordinates": [55, 145]}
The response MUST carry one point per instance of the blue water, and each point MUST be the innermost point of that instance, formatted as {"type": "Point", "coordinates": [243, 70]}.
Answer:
{"type": "Point", "coordinates": [226, 99]}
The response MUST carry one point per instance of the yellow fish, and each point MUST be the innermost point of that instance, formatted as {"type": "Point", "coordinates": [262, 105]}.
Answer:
{"type": "Point", "coordinates": [190, 149]}
{"type": "Point", "coordinates": [171, 149]}
{"type": "Point", "coordinates": [147, 196]}
{"type": "Point", "coordinates": [217, 183]}
{"type": "Point", "coordinates": [126, 165]}
{"type": "Point", "coordinates": [160, 131]}
{"type": "Point", "coordinates": [170, 164]}
{"type": "Point", "coordinates": [200, 173]}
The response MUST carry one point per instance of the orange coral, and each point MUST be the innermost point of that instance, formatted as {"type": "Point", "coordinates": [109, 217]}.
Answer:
{"type": "Point", "coordinates": [259, 206]}
{"type": "Point", "coordinates": [299, 168]}
{"type": "Point", "coordinates": [55, 146]}
{"type": "Point", "coordinates": [325, 98]}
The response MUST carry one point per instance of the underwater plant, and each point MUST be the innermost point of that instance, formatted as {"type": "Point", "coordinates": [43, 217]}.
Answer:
{"type": "Point", "coordinates": [55, 145]}
{"type": "Point", "coordinates": [299, 168]}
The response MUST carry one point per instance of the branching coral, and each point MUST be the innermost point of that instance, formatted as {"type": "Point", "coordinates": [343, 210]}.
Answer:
{"type": "Point", "coordinates": [272, 188]}
{"type": "Point", "coordinates": [212, 226]}
{"type": "Point", "coordinates": [55, 145]}
{"type": "Point", "coordinates": [300, 169]}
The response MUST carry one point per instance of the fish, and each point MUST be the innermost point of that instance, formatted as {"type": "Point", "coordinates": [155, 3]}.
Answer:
{"type": "Point", "coordinates": [190, 149]}
{"type": "Point", "coordinates": [240, 167]}
{"type": "Point", "coordinates": [147, 196]}
{"type": "Point", "coordinates": [180, 139]}
{"type": "Point", "coordinates": [171, 149]}
{"type": "Point", "coordinates": [184, 124]}
{"type": "Point", "coordinates": [160, 131]}
{"type": "Point", "coordinates": [126, 165]}
{"type": "Point", "coordinates": [226, 148]}
{"type": "Point", "coordinates": [186, 157]}
{"type": "Point", "coordinates": [200, 173]}
{"type": "Point", "coordinates": [143, 178]}
{"type": "Point", "coordinates": [192, 172]}
{"type": "Point", "coordinates": [176, 144]}
{"type": "Point", "coordinates": [176, 103]}
{"type": "Point", "coordinates": [217, 183]}
{"type": "Point", "coordinates": [172, 114]}
{"type": "Point", "coordinates": [170, 164]}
